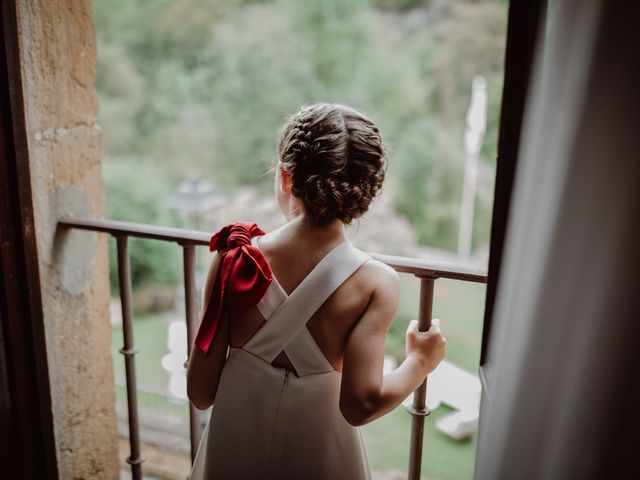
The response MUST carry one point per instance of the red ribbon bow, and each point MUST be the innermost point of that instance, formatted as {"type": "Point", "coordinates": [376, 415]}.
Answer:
{"type": "Point", "coordinates": [243, 277]}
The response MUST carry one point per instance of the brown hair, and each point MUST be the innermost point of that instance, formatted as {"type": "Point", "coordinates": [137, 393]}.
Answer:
{"type": "Point", "coordinates": [336, 159]}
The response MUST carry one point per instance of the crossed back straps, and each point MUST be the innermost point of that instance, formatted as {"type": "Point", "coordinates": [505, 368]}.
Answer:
{"type": "Point", "coordinates": [286, 316]}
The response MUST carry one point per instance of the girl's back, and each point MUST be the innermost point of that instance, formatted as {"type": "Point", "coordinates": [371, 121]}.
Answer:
{"type": "Point", "coordinates": [292, 254]}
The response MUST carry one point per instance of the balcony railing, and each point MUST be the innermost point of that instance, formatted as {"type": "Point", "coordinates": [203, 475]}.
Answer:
{"type": "Point", "coordinates": [428, 272]}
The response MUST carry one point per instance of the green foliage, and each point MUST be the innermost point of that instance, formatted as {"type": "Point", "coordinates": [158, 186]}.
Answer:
{"type": "Point", "coordinates": [203, 86]}
{"type": "Point", "coordinates": [402, 4]}
{"type": "Point", "coordinates": [137, 193]}
{"type": "Point", "coordinates": [428, 189]}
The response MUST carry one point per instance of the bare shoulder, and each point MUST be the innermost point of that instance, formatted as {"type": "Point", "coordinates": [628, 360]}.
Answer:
{"type": "Point", "coordinates": [378, 286]}
{"type": "Point", "coordinates": [379, 277]}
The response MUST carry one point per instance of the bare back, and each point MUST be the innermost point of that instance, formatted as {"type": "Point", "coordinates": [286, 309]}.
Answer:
{"type": "Point", "coordinates": [292, 257]}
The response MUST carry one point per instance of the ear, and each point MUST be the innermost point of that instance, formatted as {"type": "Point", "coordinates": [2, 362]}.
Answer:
{"type": "Point", "coordinates": [285, 180]}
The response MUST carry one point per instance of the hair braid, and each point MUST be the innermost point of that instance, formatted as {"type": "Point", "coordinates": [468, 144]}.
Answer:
{"type": "Point", "coordinates": [336, 158]}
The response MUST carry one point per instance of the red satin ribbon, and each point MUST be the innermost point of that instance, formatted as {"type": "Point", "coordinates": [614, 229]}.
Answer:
{"type": "Point", "coordinates": [242, 279]}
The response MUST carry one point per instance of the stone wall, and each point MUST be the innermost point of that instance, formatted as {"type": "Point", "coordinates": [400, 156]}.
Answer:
{"type": "Point", "coordinates": [57, 45]}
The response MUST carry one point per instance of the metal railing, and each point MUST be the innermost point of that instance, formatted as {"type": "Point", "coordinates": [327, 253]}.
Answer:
{"type": "Point", "coordinates": [428, 272]}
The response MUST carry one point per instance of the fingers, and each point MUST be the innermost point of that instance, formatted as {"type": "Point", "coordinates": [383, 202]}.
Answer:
{"type": "Point", "coordinates": [413, 326]}
{"type": "Point", "coordinates": [435, 326]}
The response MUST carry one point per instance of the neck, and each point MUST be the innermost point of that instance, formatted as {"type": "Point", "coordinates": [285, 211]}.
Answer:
{"type": "Point", "coordinates": [300, 224]}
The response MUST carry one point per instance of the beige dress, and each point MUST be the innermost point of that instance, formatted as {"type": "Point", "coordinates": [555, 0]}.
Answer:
{"type": "Point", "coordinates": [269, 423]}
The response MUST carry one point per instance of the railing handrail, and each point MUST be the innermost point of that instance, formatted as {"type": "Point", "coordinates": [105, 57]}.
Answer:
{"type": "Point", "coordinates": [415, 266]}
{"type": "Point", "coordinates": [427, 271]}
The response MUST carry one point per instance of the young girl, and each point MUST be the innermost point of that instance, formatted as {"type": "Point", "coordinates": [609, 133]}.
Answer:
{"type": "Point", "coordinates": [291, 345]}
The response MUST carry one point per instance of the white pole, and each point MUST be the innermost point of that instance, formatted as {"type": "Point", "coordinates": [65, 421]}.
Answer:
{"type": "Point", "coordinates": [476, 122]}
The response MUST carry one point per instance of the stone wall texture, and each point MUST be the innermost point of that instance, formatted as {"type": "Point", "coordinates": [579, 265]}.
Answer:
{"type": "Point", "coordinates": [57, 44]}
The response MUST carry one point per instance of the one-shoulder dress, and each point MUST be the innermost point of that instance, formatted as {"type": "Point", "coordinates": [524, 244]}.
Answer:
{"type": "Point", "coordinates": [269, 423]}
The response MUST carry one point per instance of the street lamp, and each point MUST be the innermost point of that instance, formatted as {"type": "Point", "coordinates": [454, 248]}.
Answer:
{"type": "Point", "coordinates": [194, 198]}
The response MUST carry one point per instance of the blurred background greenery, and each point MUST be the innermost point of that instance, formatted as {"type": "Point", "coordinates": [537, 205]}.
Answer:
{"type": "Point", "coordinates": [201, 88]}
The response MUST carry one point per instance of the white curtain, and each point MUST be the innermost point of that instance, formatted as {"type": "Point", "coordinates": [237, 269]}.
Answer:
{"type": "Point", "coordinates": [562, 366]}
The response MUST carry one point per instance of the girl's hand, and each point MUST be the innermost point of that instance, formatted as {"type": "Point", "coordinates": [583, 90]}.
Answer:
{"type": "Point", "coordinates": [428, 347]}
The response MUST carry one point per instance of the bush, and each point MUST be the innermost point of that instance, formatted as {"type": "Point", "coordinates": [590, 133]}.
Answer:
{"type": "Point", "coordinates": [137, 192]}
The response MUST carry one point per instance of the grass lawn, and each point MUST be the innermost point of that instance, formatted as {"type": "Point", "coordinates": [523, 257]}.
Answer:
{"type": "Point", "coordinates": [460, 307]}
{"type": "Point", "coordinates": [150, 338]}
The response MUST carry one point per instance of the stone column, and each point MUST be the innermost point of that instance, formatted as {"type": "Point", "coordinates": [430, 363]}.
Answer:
{"type": "Point", "coordinates": [57, 46]}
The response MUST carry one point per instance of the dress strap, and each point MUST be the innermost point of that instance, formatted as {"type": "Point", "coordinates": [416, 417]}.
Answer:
{"type": "Point", "coordinates": [290, 317]}
{"type": "Point", "coordinates": [306, 355]}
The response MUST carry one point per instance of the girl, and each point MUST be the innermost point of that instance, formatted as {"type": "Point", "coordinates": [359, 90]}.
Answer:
{"type": "Point", "coordinates": [291, 346]}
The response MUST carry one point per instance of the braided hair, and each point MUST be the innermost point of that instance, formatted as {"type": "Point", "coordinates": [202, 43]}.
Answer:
{"type": "Point", "coordinates": [336, 159]}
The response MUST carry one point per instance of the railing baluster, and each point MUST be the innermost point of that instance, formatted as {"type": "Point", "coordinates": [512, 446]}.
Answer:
{"type": "Point", "coordinates": [129, 350]}
{"type": "Point", "coordinates": [419, 410]}
{"type": "Point", "coordinates": [427, 271]}
{"type": "Point", "coordinates": [189, 263]}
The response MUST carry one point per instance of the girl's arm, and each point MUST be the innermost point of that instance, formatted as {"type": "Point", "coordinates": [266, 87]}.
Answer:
{"type": "Point", "coordinates": [366, 394]}
{"type": "Point", "coordinates": [203, 373]}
